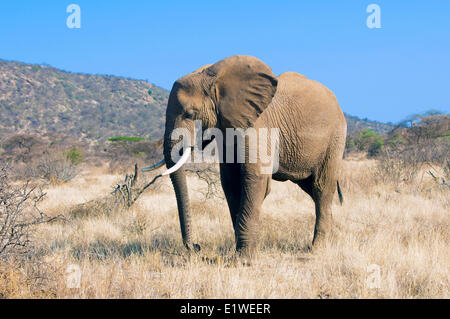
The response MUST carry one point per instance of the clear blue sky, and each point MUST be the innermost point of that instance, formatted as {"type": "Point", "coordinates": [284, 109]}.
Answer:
{"type": "Point", "coordinates": [383, 74]}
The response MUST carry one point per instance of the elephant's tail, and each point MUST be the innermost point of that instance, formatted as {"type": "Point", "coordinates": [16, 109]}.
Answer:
{"type": "Point", "coordinates": [341, 198]}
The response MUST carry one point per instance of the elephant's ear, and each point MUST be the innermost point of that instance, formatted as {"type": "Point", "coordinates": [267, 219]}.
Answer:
{"type": "Point", "coordinates": [243, 88]}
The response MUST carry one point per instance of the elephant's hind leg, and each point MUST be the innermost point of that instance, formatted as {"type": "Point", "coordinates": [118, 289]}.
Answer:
{"type": "Point", "coordinates": [323, 198]}
{"type": "Point", "coordinates": [323, 188]}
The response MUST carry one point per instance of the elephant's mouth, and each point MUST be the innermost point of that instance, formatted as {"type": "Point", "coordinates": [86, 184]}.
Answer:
{"type": "Point", "coordinates": [173, 169]}
{"type": "Point", "coordinates": [181, 161]}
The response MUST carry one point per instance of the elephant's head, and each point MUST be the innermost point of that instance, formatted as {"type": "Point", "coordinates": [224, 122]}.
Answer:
{"type": "Point", "coordinates": [229, 94]}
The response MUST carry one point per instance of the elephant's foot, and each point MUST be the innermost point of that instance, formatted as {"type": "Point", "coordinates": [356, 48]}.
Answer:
{"type": "Point", "coordinates": [321, 239]}
{"type": "Point", "coordinates": [245, 262]}
{"type": "Point", "coordinates": [192, 247]}
{"type": "Point", "coordinates": [322, 231]}
{"type": "Point", "coordinates": [237, 260]}
{"type": "Point", "coordinates": [245, 255]}
{"type": "Point", "coordinates": [308, 248]}
{"type": "Point", "coordinates": [232, 261]}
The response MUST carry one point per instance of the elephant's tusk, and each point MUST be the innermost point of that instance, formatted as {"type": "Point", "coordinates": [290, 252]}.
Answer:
{"type": "Point", "coordinates": [183, 159]}
{"type": "Point", "coordinates": [153, 167]}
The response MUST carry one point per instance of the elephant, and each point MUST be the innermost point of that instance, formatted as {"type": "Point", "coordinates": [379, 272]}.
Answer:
{"type": "Point", "coordinates": [242, 92]}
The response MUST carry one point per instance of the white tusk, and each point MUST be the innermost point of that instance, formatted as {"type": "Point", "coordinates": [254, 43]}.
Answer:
{"type": "Point", "coordinates": [153, 167]}
{"type": "Point", "coordinates": [183, 159]}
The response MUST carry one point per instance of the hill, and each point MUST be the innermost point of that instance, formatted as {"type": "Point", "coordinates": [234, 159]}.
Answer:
{"type": "Point", "coordinates": [355, 124]}
{"type": "Point", "coordinates": [45, 100]}
{"type": "Point", "coordinates": [42, 99]}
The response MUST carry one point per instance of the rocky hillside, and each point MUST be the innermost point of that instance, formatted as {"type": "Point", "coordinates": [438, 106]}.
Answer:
{"type": "Point", "coordinates": [355, 124]}
{"type": "Point", "coordinates": [47, 101]}
{"type": "Point", "coordinates": [42, 99]}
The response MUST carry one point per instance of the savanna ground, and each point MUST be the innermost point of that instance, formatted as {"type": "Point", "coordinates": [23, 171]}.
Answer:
{"type": "Point", "coordinates": [401, 228]}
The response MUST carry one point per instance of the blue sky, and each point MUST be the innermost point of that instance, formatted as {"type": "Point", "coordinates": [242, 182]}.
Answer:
{"type": "Point", "coordinates": [383, 74]}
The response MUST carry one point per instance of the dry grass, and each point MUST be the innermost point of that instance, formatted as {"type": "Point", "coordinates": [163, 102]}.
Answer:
{"type": "Point", "coordinates": [139, 254]}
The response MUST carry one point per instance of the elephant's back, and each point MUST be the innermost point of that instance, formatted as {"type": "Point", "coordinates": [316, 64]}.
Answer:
{"type": "Point", "coordinates": [306, 100]}
{"type": "Point", "coordinates": [307, 91]}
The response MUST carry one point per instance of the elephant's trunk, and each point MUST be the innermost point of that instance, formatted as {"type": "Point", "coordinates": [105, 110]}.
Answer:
{"type": "Point", "coordinates": [178, 178]}
{"type": "Point", "coordinates": [179, 184]}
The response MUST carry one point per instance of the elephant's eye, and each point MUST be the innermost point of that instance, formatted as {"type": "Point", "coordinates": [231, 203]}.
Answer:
{"type": "Point", "coordinates": [189, 115]}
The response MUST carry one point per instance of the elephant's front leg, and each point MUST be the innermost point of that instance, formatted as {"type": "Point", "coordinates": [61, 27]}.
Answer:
{"type": "Point", "coordinates": [253, 191]}
{"type": "Point", "coordinates": [230, 177]}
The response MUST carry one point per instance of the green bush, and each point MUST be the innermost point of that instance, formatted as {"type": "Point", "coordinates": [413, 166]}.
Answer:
{"type": "Point", "coordinates": [140, 154]}
{"type": "Point", "coordinates": [126, 139]}
{"type": "Point", "coordinates": [75, 156]}
{"type": "Point", "coordinates": [396, 140]}
{"type": "Point", "coordinates": [369, 141]}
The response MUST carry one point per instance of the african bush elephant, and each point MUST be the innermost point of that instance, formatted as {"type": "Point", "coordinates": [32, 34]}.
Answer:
{"type": "Point", "coordinates": [242, 92]}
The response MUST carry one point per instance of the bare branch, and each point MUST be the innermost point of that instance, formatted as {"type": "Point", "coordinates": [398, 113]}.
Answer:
{"type": "Point", "coordinates": [19, 213]}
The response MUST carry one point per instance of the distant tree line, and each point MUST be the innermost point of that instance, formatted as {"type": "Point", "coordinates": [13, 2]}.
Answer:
{"type": "Point", "coordinates": [417, 144]}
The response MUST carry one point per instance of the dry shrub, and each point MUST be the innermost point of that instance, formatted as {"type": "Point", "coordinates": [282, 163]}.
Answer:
{"type": "Point", "coordinates": [123, 196]}
{"type": "Point", "coordinates": [394, 169]}
{"type": "Point", "coordinates": [23, 147]}
{"type": "Point", "coordinates": [418, 147]}
{"type": "Point", "coordinates": [407, 166]}
{"type": "Point", "coordinates": [55, 168]}
{"type": "Point", "coordinates": [425, 144]}
{"type": "Point", "coordinates": [53, 157]}
{"type": "Point", "coordinates": [27, 278]}
{"type": "Point", "coordinates": [19, 214]}
{"type": "Point", "coordinates": [122, 154]}
{"type": "Point", "coordinates": [209, 175]}
{"type": "Point", "coordinates": [22, 271]}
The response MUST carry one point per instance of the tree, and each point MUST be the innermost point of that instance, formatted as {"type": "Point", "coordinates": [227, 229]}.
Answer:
{"type": "Point", "coordinates": [369, 141]}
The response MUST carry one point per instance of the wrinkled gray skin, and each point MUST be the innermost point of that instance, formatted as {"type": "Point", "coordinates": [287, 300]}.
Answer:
{"type": "Point", "coordinates": [241, 91]}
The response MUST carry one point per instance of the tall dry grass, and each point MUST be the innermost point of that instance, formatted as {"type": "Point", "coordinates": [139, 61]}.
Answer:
{"type": "Point", "coordinates": [402, 229]}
